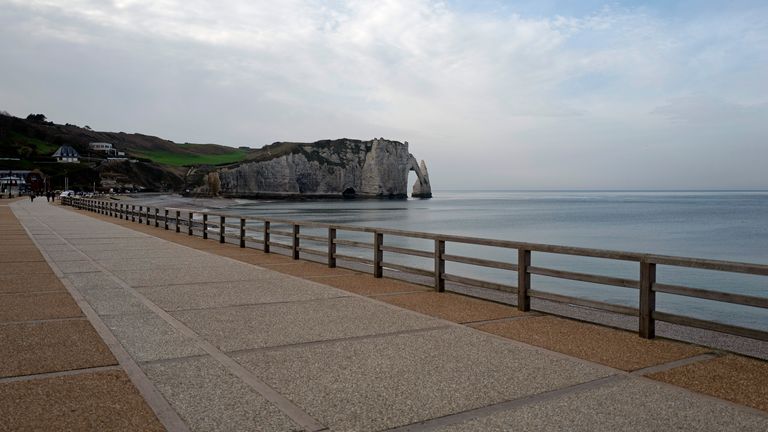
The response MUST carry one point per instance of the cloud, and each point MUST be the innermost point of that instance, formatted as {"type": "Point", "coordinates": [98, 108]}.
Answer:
{"type": "Point", "coordinates": [709, 110]}
{"type": "Point", "coordinates": [455, 82]}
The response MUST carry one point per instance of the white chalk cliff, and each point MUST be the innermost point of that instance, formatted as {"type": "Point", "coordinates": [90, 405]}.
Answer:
{"type": "Point", "coordinates": [343, 167]}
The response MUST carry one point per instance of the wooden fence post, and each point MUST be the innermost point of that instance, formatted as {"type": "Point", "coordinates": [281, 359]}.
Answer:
{"type": "Point", "coordinates": [523, 280]}
{"type": "Point", "coordinates": [221, 228]}
{"type": "Point", "coordinates": [266, 237]}
{"type": "Point", "coordinates": [439, 265]}
{"type": "Point", "coordinates": [242, 232]}
{"type": "Point", "coordinates": [133, 213]}
{"type": "Point", "coordinates": [148, 214]}
{"type": "Point", "coordinates": [165, 218]}
{"type": "Point", "coordinates": [647, 299]}
{"type": "Point", "coordinates": [205, 226]}
{"type": "Point", "coordinates": [189, 224]}
{"type": "Point", "coordinates": [157, 217]}
{"type": "Point", "coordinates": [178, 221]}
{"type": "Point", "coordinates": [140, 214]}
{"type": "Point", "coordinates": [378, 255]}
{"type": "Point", "coordinates": [295, 244]}
{"type": "Point", "coordinates": [332, 247]}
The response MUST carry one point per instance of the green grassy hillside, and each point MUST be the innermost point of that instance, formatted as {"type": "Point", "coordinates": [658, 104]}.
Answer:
{"type": "Point", "coordinates": [184, 158]}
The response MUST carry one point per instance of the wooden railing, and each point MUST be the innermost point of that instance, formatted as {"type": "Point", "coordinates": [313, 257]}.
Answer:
{"type": "Point", "coordinates": [291, 240]}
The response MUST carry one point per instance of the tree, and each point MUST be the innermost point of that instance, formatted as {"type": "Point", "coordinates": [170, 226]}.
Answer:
{"type": "Point", "coordinates": [214, 183]}
{"type": "Point", "coordinates": [39, 118]}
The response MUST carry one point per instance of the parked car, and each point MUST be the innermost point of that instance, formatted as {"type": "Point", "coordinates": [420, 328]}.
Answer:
{"type": "Point", "coordinates": [67, 193]}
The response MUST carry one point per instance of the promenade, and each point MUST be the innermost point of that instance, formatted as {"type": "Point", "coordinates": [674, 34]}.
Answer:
{"type": "Point", "coordinates": [109, 327]}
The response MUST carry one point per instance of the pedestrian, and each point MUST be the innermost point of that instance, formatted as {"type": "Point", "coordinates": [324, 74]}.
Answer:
{"type": "Point", "coordinates": [48, 196]}
{"type": "Point", "coordinates": [32, 196]}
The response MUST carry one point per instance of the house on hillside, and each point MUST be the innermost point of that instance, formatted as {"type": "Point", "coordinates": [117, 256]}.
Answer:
{"type": "Point", "coordinates": [105, 148]}
{"type": "Point", "coordinates": [67, 154]}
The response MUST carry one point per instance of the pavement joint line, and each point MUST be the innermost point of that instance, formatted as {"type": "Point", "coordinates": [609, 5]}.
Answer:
{"type": "Point", "coordinates": [32, 292]}
{"type": "Point", "coordinates": [674, 364]}
{"type": "Point", "coordinates": [174, 359]}
{"type": "Point", "coordinates": [337, 340]}
{"type": "Point", "coordinates": [22, 378]}
{"type": "Point", "coordinates": [41, 321]}
{"type": "Point", "coordinates": [734, 405]}
{"type": "Point", "coordinates": [392, 294]}
{"type": "Point", "coordinates": [461, 417]}
{"type": "Point", "coordinates": [528, 315]}
{"type": "Point", "coordinates": [158, 404]}
{"type": "Point", "coordinates": [244, 305]}
{"type": "Point", "coordinates": [293, 411]}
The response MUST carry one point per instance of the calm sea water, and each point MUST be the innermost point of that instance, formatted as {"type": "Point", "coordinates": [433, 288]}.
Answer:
{"type": "Point", "coordinates": [719, 225]}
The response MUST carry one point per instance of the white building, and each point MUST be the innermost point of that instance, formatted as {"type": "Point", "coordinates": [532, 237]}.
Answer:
{"type": "Point", "coordinates": [100, 146]}
{"type": "Point", "coordinates": [106, 148]}
{"type": "Point", "coordinates": [67, 154]}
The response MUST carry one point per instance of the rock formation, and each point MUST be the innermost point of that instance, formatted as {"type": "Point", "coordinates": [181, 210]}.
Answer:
{"type": "Point", "coordinates": [330, 168]}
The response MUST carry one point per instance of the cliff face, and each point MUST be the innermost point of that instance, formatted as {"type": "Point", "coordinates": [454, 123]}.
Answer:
{"type": "Point", "coordinates": [345, 167]}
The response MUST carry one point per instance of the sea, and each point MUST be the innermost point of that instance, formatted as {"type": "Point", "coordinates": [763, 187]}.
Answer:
{"type": "Point", "coordinates": [724, 225]}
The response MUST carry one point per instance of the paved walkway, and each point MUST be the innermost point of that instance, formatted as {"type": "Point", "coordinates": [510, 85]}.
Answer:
{"type": "Point", "coordinates": [213, 343]}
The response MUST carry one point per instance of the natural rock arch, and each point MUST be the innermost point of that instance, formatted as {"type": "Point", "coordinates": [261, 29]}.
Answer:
{"type": "Point", "coordinates": [422, 188]}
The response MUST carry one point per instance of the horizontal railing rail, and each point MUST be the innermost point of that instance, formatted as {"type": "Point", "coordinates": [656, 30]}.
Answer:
{"type": "Point", "coordinates": [254, 230]}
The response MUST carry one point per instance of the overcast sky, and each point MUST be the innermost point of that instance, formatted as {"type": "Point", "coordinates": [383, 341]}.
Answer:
{"type": "Point", "coordinates": [492, 94]}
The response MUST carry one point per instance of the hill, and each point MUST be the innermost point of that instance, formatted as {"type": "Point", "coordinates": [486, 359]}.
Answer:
{"type": "Point", "coordinates": [162, 164]}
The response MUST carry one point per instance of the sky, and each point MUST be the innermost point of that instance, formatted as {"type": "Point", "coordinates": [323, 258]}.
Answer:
{"type": "Point", "coordinates": [547, 94]}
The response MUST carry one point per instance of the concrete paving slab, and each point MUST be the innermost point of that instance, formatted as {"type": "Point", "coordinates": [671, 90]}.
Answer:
{"type": "Point", "coordinates": [147, 337]}
{"type": "Point", "coordinates": [21, 254]}
{"type": "Point", "coordinates": [122, 246]}
{"type": "Point", "coordinates": [25, 268]}
{"type": "Point", "coordinates": [111, 237]}
{"type": "Point", "coordinates": [56, 247]}
{"type": "Point", "coordinates": [364, 284]}
{"type": "Point", "coordinates": [102, 401]}
{"type": "Point", "coordinates": [625, 405]}
{"type": "Point", "coordinates": [92, 281]}
{"type": "Point", "coordinates": [224, 294]}
{"type": "Point", "coordinates": [33, 348]}
{"type": "Point", "coordinates": [65, 255]}
{"type": "Point", "coordinates": [451, 307]}
{"type": "Point", "coordinates": [178, 276]}
{"type": "Point", "coordinates": [738, 379]}
{"type": "Point", "coordinates": [114, 302]}
{"type": "Point", "coordinates": [25, 283]}
{"type": "Point", "coordinates": [15, 237]}
{"type": "Point", "coordinates": [138, 253]}
{"type": "Point", "coordinates": [46, 243]}
{"type": "Point", "coordinates": [307, 269]}
{"type": "Point", "coordinates": [84, 266]}
{"type": "Point", "coordinates": [38, 306]}
{"type": "Point", "coordinates": [391, 381]}
{"type": "Point", "coordinates": [254, 257]}
{"type": "Point", "coordinates": [209, 398]}
{"type": "Point", "coordinates": [259, 326]}
{"type": "Point", "coordinates": [163, 262]}
{"type": "Point", "coordinates": [616, 348]}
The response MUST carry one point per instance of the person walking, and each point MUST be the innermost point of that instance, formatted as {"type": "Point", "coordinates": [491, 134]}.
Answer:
{"type": "Point", "coordinates": [32, 196]}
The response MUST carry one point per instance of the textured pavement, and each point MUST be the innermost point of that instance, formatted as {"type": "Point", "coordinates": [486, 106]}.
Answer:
{"type": "Point", "coordinates": [232, 339]}
{"type": "Point", "coordinates": [56, 372]}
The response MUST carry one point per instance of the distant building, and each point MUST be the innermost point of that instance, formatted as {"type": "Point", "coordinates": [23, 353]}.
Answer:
{"type": "Point", "coordinates": [100, 146]}
{"type": "Point", "coordinates": [21, 181]}
{"type": "Point", "coordinates": [106, 148]}
{"type": "Point", "coordinates": [67, 154]}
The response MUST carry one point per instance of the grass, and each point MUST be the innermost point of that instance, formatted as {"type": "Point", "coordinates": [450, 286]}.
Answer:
{"type": "Point", "coordinates": [43, 148]}
{"type": "Point", "coordinates": [186, 159]}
